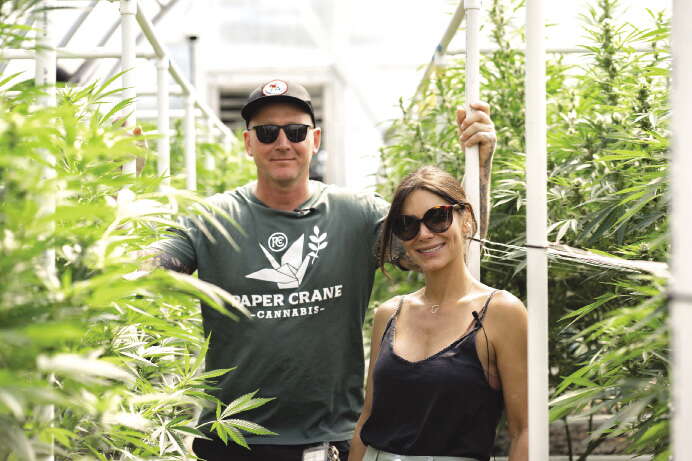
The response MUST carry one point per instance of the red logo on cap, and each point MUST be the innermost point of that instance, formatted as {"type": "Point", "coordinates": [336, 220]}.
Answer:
{"type": "Point", "coordinates": [274, 88]}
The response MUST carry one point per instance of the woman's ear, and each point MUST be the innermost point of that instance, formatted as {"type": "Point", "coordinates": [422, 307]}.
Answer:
{"type": "Point", "coordinates": [467, 227]}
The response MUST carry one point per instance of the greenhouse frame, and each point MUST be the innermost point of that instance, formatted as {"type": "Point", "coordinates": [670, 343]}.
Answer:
{"type": "Point", "coordinates": [198, 113]}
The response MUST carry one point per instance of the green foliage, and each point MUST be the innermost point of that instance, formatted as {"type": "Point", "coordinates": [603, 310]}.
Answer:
{"type": "Point", "coordinates": [625, 370]}
{"type": "Point", "coordinates": [13, 25]}
{"type": "Point", "coordinates": [97, 359]}
{"type": "Point", "coordinates": [608, 124]}
{"type": "Point", "coordinates": [218, 169]}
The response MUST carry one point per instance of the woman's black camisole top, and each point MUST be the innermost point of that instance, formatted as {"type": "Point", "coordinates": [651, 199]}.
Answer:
{"type": "Point", "coordinates": [438, 406]}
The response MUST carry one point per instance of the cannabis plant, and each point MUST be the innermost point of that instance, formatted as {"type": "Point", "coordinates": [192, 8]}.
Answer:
{"type": "Point", "coordinates": [98, 359]}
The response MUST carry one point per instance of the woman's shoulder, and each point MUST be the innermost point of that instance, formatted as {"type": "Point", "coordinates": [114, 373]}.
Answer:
{"type": "Point", "coordinates": [387, 309]}
{"type": "Point", "coordinates": [505, 307]}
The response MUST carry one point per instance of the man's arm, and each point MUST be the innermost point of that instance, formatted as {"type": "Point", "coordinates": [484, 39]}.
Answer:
{"type": "Point", "coordinates": [166, 261]}
{"type": "Point", "coordinates": [479, 129]}
{"type": "Point", "coordinates": [175, 253]}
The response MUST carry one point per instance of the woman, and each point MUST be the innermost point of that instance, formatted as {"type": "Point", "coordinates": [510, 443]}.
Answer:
{"type": "Point", "coordinates": [447, 359]}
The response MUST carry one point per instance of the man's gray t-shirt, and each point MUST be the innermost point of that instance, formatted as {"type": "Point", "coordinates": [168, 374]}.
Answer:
{"type": "Point", "coordinates": [306, 277]}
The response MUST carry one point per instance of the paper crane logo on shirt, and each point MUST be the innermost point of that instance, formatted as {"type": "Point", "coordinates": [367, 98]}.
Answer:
{"type": "Point", "coordinates": [290, 273]}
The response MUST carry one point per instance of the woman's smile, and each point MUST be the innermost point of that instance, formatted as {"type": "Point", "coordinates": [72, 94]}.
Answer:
{"type": "Point", "coordinates": [431, 250]}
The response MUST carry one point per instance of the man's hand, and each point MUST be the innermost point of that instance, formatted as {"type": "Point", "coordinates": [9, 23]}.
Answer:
{"type": "Point", "coordinates": [478, 129]}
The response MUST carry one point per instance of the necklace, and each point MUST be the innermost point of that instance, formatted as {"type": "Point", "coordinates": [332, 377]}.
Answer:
{"type": "Point", "coordinates": [434, 308]}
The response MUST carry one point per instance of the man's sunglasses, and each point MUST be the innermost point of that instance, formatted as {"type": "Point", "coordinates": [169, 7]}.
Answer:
{"type": "Point", "coordinates": [295, 132]}
{"type": "Point", "coordinates": [437, 219]}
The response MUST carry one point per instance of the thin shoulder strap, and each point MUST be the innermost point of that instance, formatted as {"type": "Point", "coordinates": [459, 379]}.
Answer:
{"type": "Point", "coordinates": [398, 308]}
{"type": "Point", "coordinates": [391, 319]}
{"type": "Point", "coordinates": [481, 316]}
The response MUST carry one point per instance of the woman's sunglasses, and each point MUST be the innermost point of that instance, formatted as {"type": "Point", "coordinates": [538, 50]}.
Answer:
{"type": "Point", "coordinates": [295, 132]}
{"type": "Point", "coordinates": [437, 219]}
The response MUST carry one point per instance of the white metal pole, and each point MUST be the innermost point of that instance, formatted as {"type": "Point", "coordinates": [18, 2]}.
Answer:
{"type": "Point", "coordinates": [536, 230]}
{"type": "Point", "coordinates": [209, 161]}
{"type": "Point", "coordinates": [46, 66]}
{"type": "Point", "coordinates": [227, 144]}
{"type": "Point", "coordinates": [681, 221]}
{"type": "Point", "coordinates": [128, 10]}
{"type": "Point", "coordinates": [471, 171]}
{"type": "Point", "coordinates": [78, 23]}
{"type": "Point", "coordinates": [190, 135]}
{"type": "Point", "coordinates": [441, 49]}
{"type": "Point", "coordinates": [193, 51]}
{"type": "Point", "coordinates": [163, 165]}
{"type": "Point", "coordinates": [72, 53]}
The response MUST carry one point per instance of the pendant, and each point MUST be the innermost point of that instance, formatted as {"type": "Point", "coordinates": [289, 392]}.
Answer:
{"type": "Point", "coordinates": [434, 308]}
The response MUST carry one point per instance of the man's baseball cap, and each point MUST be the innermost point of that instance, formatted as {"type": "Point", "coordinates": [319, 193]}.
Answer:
{"type": "Point", "coordinates": [277, 91]}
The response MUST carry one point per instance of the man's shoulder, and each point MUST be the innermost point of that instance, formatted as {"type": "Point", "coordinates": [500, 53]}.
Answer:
{"type": "Point", "coordinates": [350, 196]}
{"type": "Point", "coordinates": [227, 199]}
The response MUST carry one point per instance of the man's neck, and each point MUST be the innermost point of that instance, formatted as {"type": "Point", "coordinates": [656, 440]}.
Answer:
{"type": "Point", "coordinates": [286, 198]}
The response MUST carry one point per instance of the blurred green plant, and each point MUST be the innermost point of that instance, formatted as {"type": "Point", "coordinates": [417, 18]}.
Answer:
{"type": "Point", "coordinates": [15, 22]}
{"type": "Point", "coordinates": [97, 359]}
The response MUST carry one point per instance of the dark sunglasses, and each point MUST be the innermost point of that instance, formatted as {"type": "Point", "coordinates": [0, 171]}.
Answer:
{"type": "Point", "coordinates": [295, 132]}
{"type": "Point", "coordinates": [437, 219]}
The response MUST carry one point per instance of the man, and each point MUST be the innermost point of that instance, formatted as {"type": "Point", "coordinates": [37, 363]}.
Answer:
{"type": "Point", "coordinates": [304, 271]}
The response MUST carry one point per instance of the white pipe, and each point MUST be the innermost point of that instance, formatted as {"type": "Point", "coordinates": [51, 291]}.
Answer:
{"type": "Point", "coordinates": [681, 222]}
{"type": "Point", "coordinates": [471, 170]}
{"type": "Point", "coordinates": [536, 229]}
{"type": "Point", "coordinates": [209, 160]}
{"type": "Point", "coordinates": [187, 88]}
{"type": "Point", "coordinates": [164, 9]}
{"type": "Point", "coordinates": [206, 110]}
{"type": "Point", "coordinates": [128, 9]}
{"type": "Point", "coordinates": [153, 114]}
{"type": "Point", "coordinates": [73, 53]}
{"type": "Point", "coordinates": [172, 91]}
{"type": "Point", "coordinates": [99, 53]}
{"type": "Point", "coordinates": [78, 23]}
{"type": "Point", "coordinates": [163, 165]}
{"type": "Point", "coordinates": [441, 49]}
{"type": "Point", "coordinates": [190, 153]}
{"type": "Point", "coordinates": [17, 54]}
{"type": "Point", "coordinates": [548, 50]}
{"type": "Point", "coordinates": [84, 69]}
{"type": "Point", "coordinates": [46, 67]}
{"type": "Point", "coordinates": [27, 23]}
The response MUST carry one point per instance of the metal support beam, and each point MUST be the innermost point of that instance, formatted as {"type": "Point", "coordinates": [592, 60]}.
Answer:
{"type": "Point", "coordinates": [548, 50]}
{"type": "Point", "coordinates": [46, 66]}
{"type": "Point", "coordinates": [441, 50]}
{"type": "Point", "coordinates": [190, 141]}
{"type": "Point", "coordinates": [28, 22]}
{"type": "Point", "coordinates": [148, 31]}
{"type": "Point", "coordinates": [85, 67]}
{"type": "Point", "coordinates": [163, 165]}
{"type": "Point", "coordinates": [681, 222]}
{"type": "Point", "coordinates": [536, 229]}
{"type": "Point", "coordinates": [73, 53]}
{"type": "Point", "coordinates": [209, 161]}
{"type": "Point", "coordinates": [78, 23]}
{"type": "Point", "coordinates": [128, 10]}
{"type": "Point", "coordinates": [161, 13]}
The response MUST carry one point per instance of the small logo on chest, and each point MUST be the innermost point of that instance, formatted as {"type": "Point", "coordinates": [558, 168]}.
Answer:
{"type": "Point", "coordinates": [277, 241]}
